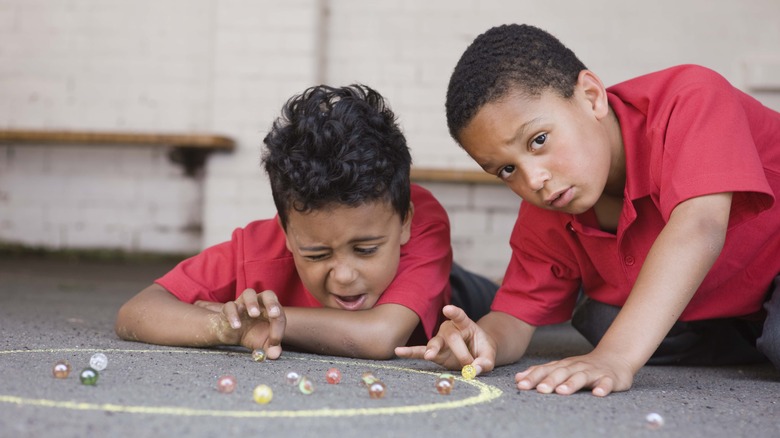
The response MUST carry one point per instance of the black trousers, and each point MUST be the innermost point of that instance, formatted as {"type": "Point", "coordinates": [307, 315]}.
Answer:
{"type": "Point", "coordinates": [471, 292]}
{"type": "Point", "coordinates": [727, 341]}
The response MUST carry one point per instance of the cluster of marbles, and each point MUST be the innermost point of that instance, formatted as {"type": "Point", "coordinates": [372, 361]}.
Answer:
{"type": "Point", "coordinates": [333, 376]}
{"type": "Point", "coordinates": [469, 372]}
{"type": "Point", "coordinates": [262, 394]}
{"type": "Point", "coordinates": [226, 384]}
{"type": "Point", "coordinates": [445, 383]}
{"type": "Point", "coordinates": [89, 375]}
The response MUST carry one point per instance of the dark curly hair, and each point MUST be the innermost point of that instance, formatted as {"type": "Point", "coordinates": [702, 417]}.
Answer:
{"type": "Point", "coordinates": [337, 146]}
{"type": "Point", "coordinates": [507, 58]}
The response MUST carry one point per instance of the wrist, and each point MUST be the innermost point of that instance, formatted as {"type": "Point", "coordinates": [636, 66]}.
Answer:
{"type": "Point", "coordinates": [222, 332]}
{"type": "Point", "coordinates": [628, 359]}
{"type": "Point", "coordinates": [508, 336]}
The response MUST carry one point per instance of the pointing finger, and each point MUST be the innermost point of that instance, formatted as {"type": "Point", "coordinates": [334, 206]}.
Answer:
{"type": "Point", "coordinates": [458, 317]}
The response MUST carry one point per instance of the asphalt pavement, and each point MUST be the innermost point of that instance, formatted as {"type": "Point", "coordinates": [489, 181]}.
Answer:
{"type": "Point", "coordinates": [54, 308]}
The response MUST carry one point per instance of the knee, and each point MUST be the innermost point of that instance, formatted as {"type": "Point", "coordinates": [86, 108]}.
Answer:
{"type": "Point", "coordinates": [592, 319]}
{"type": "Point", "coordinates": [769, 343]}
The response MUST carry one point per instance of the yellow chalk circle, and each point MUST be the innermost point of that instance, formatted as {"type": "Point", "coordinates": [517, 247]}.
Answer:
{"type": "Point", "coordinates": [487, 393]}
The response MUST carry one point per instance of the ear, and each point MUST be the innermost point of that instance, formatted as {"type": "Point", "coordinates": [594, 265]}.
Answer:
{"type": "Point", "coordinates": [406, 227]}
{"type": "Point", "coordinates": [594, 92]}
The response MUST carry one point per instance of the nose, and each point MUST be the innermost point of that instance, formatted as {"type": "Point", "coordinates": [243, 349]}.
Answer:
{"type": "Point", "coordinates": [342, 272]}
{"type": "Point", "coordinates": [534, 176]}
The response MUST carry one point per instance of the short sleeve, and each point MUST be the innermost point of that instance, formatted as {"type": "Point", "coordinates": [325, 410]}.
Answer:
{"type": "Point", "coordinates": [210, 275]}
{"type": "Point", "coordinates": [422, 281]}
{"type": "Point", "coordinates": [708, 147]}
{"type": "Point", "coordinates": [542, 279]}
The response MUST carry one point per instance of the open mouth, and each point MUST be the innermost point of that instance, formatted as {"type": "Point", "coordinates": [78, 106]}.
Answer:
{"type": "Point", "coordinates": [352, 302]}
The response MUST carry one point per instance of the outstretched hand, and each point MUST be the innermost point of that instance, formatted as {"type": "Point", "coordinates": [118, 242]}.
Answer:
{"type": "Point", "coordinates": [258, 320]}
{"type": "Point", "coordinates": [602, 373]}
{"type": "Point", "coordinates": [459, 341]}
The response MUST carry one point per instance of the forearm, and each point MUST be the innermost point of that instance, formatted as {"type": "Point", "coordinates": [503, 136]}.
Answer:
{"type": "Point", "coordinates": [510, 335]}
{"type": "Point", "coordinates": [675, 267]}
{"type": "Point", "coordinates": [367, 334]}
{"type": "Point", "coordinates": [157, 317]}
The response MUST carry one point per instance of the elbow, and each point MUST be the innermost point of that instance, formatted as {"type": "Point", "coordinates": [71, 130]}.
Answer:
{"type": "Point", "coordinates": [713, 234]}
{"type": "Point", "coordinates": [122, 333]}
{"type": "Point", "coordinates": [703, 221]}
{"type": "Point", "coordinates": [122, 326]}
{"type": "Point", "coordinates": [119, 325]}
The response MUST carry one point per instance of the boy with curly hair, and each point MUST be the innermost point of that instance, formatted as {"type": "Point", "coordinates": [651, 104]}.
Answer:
{"type": "Point", "coordinates": [357, 262]}
{"type": "Point", "coordinates": [649, 214]}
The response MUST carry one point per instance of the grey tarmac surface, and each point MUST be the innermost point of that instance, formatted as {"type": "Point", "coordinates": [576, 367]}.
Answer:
{"type": "Point", "coordinates": [54, 308]}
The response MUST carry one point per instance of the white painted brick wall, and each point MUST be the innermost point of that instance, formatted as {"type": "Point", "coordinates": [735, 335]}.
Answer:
{"type": "Point", "coordinates": [265, 51]}
{"type": "Point", "coordinates": [481, 221]}
{"type": "Point", "coordinates": [228, 66]}
{"type": "Point", "coordinates": [118, 64]}
{"type": "Point", "coordinates": [131, 199]}
{"type": "Point", "coordinates": [84, 64]}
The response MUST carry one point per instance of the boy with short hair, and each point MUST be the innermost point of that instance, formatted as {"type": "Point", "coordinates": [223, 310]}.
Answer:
{"type": "Point", "coordinates": [655, 198]}
{"type": "Point", "coordinates": [356, 263]}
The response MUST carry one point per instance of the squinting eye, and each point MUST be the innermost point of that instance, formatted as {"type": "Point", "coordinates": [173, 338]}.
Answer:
{"type": "Point", "coordinates": [506, 171]}
{"type": "Point", "coordinates": [366, 251]}
{"type": "Point", "coordinates": [315, 257]}
{"type": "Point", "coordinates": [538, 142]}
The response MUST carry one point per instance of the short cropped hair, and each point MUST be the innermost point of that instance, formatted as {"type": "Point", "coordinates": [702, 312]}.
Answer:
{"type": "Point", "coordinates": [519, 58]}
{"type": "Point", "coordinates": [337, 146]}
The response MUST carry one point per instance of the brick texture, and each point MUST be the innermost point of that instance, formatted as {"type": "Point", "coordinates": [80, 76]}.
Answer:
{"type": "Point", "coordinates": [227, 67]}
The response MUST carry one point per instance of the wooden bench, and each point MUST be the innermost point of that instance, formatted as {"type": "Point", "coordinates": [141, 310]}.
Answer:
{"type": "Point", "coordinates": [189, 150]}
{"type": "Point", "coordinates": [423, 174]}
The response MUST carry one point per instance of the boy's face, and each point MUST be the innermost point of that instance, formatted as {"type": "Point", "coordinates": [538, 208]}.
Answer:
{"type": "Point", "coordinates": [555, 153]}
{"type": "Point", "coordinates": [347, 256]}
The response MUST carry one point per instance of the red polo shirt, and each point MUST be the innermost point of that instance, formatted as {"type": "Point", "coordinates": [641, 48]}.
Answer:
{"type": "Point", "coordinates": [686, 132]}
